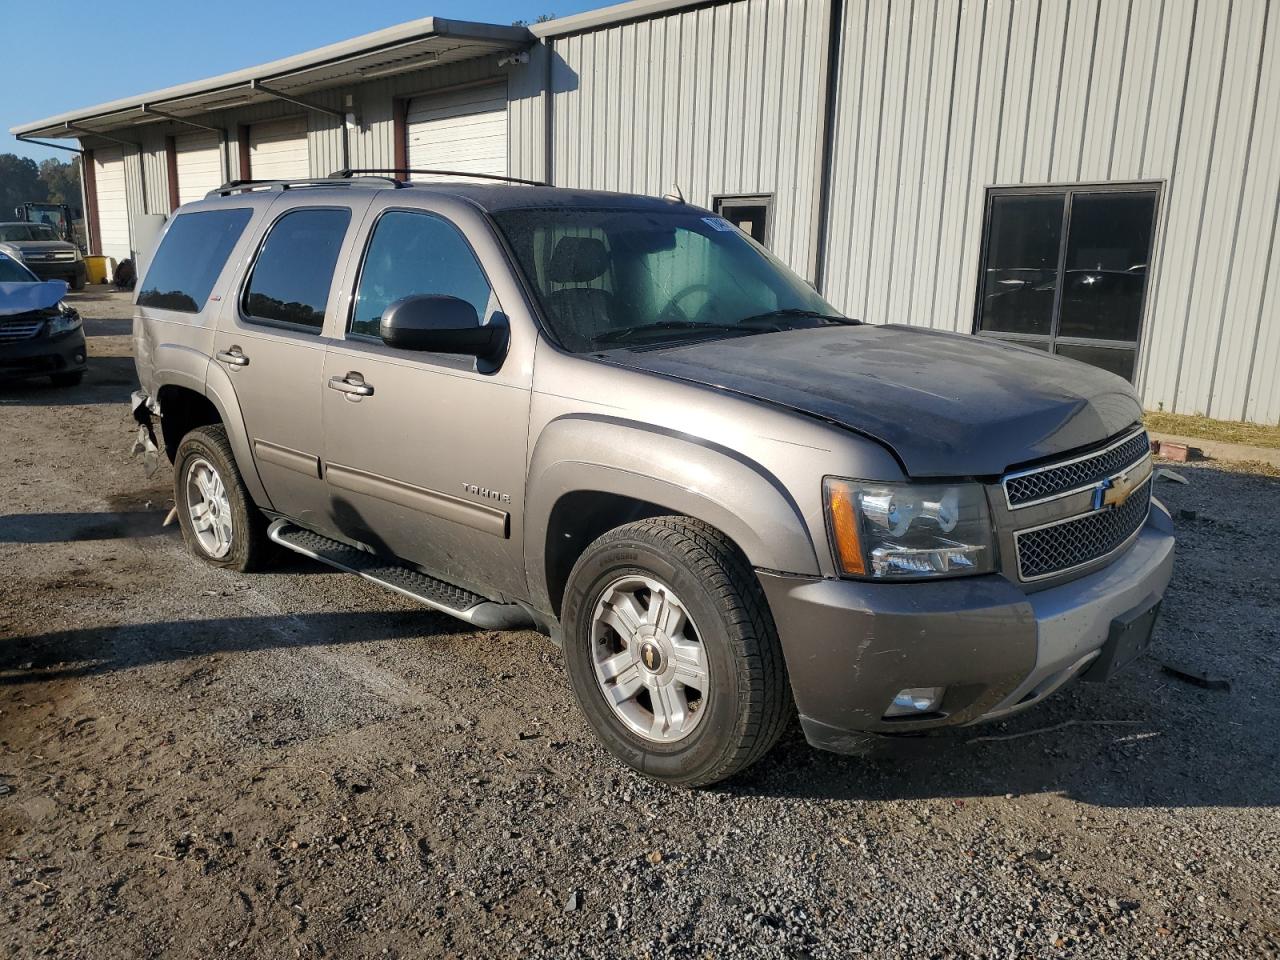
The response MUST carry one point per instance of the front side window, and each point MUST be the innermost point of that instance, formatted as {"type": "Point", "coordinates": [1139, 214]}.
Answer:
{"type": "Point", "coordinates": [1065, 270]}
{"type": "Point", "coordinates": [293, 273]}
{"type": "Point", "coordinates": [193, 252]}
{"type": "Point", "coordinates": [613, 278]}
{"type": "Point", "coordinates": [413, 254]}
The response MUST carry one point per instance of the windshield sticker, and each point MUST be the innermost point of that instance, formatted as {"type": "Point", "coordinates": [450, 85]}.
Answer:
{"type": "Point", "coordinates": [719, 223]}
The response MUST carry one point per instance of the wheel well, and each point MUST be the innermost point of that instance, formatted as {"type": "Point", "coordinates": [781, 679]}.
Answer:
{"type": "Point", "coordinates": [181, 411]}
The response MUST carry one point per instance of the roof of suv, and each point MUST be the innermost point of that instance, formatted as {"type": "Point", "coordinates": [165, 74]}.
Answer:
{"type": "Point", "coordinates": [495, 197]}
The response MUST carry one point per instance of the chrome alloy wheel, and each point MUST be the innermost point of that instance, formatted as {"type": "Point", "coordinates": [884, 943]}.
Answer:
{"type": "Point", "coordinates": [209, 508]}
{"type": "Point", "coordinates": [649, 659]}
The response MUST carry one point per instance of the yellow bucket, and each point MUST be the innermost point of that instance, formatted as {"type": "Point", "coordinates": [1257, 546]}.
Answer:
{"type": "Point", "coordinates": [98, 269]}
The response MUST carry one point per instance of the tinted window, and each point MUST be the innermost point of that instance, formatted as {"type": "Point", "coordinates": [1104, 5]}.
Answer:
{"type": "Point", "coordinates": [1022, 264]}
{"type": "Point", "coordinates": [416, 253]}
{"type": "Point", "coordinates": [190, 257]}
{"type": "Point", "coordinates": [1077, 295]}
{"type": "Point", "coordinates": [1106, 265]}
{"type": "Point", "coordinates": [291, 278]}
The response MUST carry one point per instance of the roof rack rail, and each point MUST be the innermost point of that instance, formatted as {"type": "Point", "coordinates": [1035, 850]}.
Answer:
{"type": "Point", "coordinates": [238, 186]}
{"type": "Point", "coordinates": [368, 171]}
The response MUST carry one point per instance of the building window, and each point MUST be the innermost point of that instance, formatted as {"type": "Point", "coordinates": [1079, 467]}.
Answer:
{"type": "Point", "coordinates": [748, 214]}
{"type": "Point", "coordinates": [1064, 269]}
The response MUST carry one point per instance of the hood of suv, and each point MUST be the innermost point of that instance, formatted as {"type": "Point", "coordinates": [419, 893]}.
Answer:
{"type": "Point", "coordinates": [947, 404]}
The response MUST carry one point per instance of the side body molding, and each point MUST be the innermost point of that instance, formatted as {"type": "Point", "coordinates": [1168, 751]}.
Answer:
{"type": "Point", "coordinates": [680, 473]}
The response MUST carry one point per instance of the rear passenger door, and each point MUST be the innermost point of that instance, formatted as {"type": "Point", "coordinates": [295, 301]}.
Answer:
{"type": "Point", "coordinates": [271, 342]}
{"type": "Point", "coordinates": [429, 464]}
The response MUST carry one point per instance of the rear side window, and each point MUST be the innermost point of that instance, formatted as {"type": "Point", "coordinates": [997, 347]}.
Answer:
{"type": "Point", "coordinates": [291, 279]}
{"type": "Point", "coordinates": [190, 257]}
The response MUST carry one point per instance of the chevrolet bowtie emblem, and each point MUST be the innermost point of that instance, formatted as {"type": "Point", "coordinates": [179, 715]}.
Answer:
{"type": "Point", "coordinates": [1113, 491]}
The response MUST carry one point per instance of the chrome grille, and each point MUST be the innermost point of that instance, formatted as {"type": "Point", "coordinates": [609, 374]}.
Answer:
{"type": "Point", "coordinates": [1059, 547]}
{"type": "Point", "coordinates": [22, 328]}
{"type": "Point", "coordinates": [1026, 487]}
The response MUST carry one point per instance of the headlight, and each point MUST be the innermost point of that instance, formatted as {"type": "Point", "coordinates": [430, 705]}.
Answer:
{"type": "Point", "coordinates": [895, 531]}
{"type": "Point", "coordinates": [64, 320]}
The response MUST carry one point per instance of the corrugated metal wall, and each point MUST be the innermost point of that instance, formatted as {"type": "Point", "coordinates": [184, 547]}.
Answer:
{"type": "Point", "coordinates": [722, 99]}
{"type": "Point", "coordinates": [939, 99]}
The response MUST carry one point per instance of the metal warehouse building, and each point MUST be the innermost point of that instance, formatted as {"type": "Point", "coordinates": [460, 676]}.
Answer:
{"type": "Point", "coordinates": [1096, 178]}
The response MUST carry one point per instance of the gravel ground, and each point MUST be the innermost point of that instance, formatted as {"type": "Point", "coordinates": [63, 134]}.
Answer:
{"type": "Point", "coordinates": [195, 763]}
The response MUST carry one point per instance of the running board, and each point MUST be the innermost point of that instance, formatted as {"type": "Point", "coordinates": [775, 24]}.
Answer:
{"type": "Point", "coordinates": [403, 579]}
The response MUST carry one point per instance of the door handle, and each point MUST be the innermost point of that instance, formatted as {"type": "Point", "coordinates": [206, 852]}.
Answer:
{"type": "Point", "coordinates": [352, 384]}
{"type": "Point", "coordinates": [234, 357]}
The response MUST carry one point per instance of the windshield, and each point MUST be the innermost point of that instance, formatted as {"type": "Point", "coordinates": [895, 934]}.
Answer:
{"type": "Point", "coordinates": [611, 278]}
{"type": "Point", "coordinates": [11, 272]}
{"type": "Point", "coordinates": [26, 231]}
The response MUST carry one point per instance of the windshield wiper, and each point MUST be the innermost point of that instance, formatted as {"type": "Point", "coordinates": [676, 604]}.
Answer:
{"type": "Point", "coordinates": [627, 334]}
{"type": "Point", "coordinates": [798, 313]}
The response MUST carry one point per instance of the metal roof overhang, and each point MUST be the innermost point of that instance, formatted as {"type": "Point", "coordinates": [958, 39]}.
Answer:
{"type": "Point", "coordinates": [416, 45]}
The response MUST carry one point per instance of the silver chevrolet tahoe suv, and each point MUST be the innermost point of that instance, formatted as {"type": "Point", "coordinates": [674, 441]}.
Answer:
{"type": "Point", "coordinates": [619, 420]}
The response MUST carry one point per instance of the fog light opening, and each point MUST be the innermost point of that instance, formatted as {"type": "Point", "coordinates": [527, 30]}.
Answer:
{"type": "Point", "coordinates": [915, 701]}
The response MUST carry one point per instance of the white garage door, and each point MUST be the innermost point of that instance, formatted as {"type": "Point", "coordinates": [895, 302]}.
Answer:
{"type": "Point", "coordinates": [113, 209]}
{"type": "Point", "coordinates": [278, 150]}
{"type": "Point", "coordinates": [465, 131]}
{"type": "Point", "coordinates": [199, 165]}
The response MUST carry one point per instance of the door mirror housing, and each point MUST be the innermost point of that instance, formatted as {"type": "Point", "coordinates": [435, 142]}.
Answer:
{"type": "Point", "coordinates": [441, 324]}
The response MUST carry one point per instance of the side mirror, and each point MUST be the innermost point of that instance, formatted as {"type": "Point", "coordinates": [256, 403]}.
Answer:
{"type": "Point", "coordinates": [441, 324]}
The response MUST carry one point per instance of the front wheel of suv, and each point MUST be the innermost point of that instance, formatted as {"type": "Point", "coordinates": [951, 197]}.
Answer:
{"type": "Point", "coordinates": [672, 653]}
{"type": "Point", "coordinates": [220, 522]}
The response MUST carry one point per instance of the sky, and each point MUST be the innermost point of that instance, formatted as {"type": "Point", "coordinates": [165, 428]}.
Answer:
{"type": "Point", "coordinates": [68, 54]}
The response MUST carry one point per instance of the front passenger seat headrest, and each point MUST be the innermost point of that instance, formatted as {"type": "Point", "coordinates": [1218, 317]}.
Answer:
{"type": "Point", "coordinates": [578, 260]}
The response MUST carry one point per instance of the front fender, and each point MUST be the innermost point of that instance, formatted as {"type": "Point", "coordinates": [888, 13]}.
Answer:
{"type": "Point", "coordinates": [684, 474]}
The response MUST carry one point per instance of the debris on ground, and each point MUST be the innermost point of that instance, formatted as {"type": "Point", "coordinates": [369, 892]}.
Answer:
{"type": "Point", "coordinates": [1193, 676]}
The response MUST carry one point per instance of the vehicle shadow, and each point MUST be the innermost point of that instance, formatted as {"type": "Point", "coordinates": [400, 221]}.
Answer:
{"type": "Point", "coordinates": [75, 527]}
{"type": "Point", "coordinates": [107, 380]}
{"type": "Point", "coordinates": [87, 652]}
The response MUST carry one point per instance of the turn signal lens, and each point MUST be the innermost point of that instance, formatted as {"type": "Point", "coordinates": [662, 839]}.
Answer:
{"type": "Point", "coordinates": [844, 527]}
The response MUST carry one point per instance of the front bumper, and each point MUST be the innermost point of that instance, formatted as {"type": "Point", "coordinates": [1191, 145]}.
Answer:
{"type": "Point", "coordinates": [68, 270]}
{"type": "Point", "coordinates": [42, 356]}
{"type": "Point", "coordinates": [851, 646]}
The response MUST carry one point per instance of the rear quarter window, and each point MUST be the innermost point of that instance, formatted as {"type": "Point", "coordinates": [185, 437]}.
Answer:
{"type": "Point", "coordinates": [190, 257]}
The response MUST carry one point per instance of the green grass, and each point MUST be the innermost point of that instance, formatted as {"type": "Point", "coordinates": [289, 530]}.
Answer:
{"type": "Point", "coordinates": [1227, 431]}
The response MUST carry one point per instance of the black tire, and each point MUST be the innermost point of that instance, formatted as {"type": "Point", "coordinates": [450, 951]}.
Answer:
{"type": "Point", "coordinates": [250, 548]}
{"type": "Point", "coordinates": [77, 282]}
{"type": "Point", "coordinates": [749, 703]}
{"type": "Point", "coordinates": [67, 379]}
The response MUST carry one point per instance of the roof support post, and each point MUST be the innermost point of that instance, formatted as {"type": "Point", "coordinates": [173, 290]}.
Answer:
{"type": "Point", "coordinates": [259, 86]}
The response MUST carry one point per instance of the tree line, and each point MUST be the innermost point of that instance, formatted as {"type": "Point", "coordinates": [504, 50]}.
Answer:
{"type": "Point", "coordinates": [22, 180]}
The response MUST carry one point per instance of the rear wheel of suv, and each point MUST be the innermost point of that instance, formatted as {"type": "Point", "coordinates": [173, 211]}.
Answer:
{"type": "Point", "coordinates": [219, 520]}
{"type": "Point", "coordinates": [672, 653]}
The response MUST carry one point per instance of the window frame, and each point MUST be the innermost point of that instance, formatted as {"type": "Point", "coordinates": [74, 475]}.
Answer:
{"type": "Point", "coordinates": [765, 200]}
{"type": "Point", "coordinates": [1067, 192]}
{"type": "Point", "coordinates": [243, 314]}
{"type": "Point", "coordinates": [354, 298]}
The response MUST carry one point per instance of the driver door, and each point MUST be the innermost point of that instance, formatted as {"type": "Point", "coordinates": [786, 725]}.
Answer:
{"type": "Point", "coordinates": [425, 452]}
